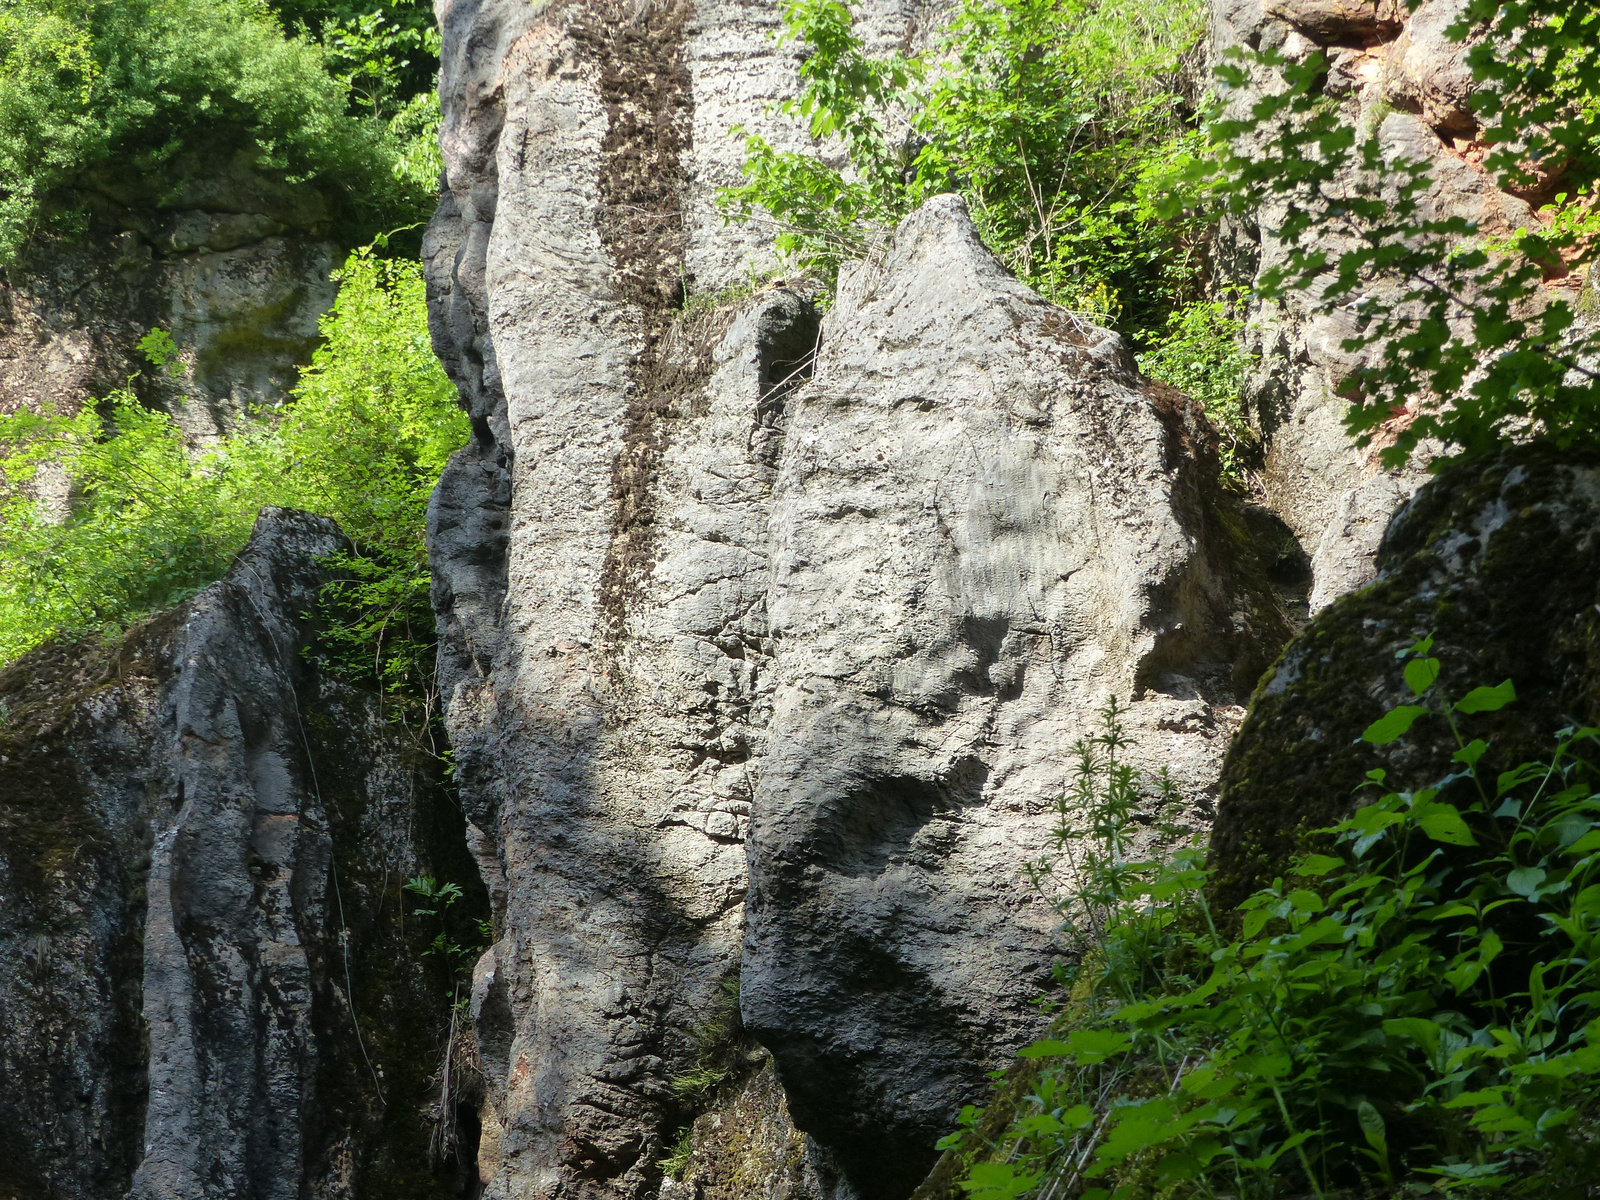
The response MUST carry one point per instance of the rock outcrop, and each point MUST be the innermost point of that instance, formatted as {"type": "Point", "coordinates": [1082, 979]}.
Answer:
{"type": "Point", "coordinates": [207, 987]}
{"type": "Point", "coordinates": [1500, 563]}
{"type": "Point", "coordinates": [764, 643]}
{"type": "Point", "coordinates": [1396, 73]}
{"type": "Point", "coordinates": [983, 524]}
{"type": "Point", "coordinates": [236, 267]}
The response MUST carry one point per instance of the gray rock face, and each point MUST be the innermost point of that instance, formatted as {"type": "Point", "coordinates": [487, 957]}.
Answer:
{"type": "Point", "coordinates": [1392, 67]}
{"type": "Point", "coordinates": [236, 270]}
{"type": "Point", "coordinates": [749, 675]}
{"type": "Point", "coordinates": [1500, 562]}
{"type": "Point", "coordinates": [984, 524]}
{"type": "Point", "coordinates": [206, 990]}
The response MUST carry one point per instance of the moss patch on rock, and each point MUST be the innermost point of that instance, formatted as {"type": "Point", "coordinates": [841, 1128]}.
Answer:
{"type": "Point", "coordinates": [1500, 561]}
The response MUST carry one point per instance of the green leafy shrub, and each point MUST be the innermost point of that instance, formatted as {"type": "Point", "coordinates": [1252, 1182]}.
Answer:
{"type": "Point", "coordinates": [97, 93]}
{"type": "Point", "coordinates": [1062, 123]}
{"type": "Point", "coordinates": [1052, 117]}
{"type": "Point", "coordinates": [370, 427]}
{"type": "Point", "coordinates": [1199, 353]}
{"type": "Point", "coordinates": [1414, 1010]}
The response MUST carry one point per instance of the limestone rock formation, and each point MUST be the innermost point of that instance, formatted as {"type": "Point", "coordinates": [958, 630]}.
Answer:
{"type": "Point", "coordinates": [206, 990]}
{"type": "Point", "coordinates": [1500, 563]}
{"type": "Point", "coordinates": [235, 267]}
{"type": "Point", "coordinates": [764, 646]}
{"type": "Point", "coordinates": [984, 523]}
{"type": "Point", "coordinates": [1394, 71]}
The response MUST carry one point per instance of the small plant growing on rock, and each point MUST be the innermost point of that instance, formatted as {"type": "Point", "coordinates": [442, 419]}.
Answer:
{"type": "Point", "coordinates": [458, 1066]}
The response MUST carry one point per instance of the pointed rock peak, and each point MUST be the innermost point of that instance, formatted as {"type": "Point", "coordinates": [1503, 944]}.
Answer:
{"type": "Point", "coordinates": [946, 290]}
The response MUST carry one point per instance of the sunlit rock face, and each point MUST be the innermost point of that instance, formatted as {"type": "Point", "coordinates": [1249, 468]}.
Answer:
{"type": "Point", "coordinates": [234, 265]}
{"type": "Point", "coordinates": [766, 637]}
{"type": "Point", "coordinates": [1395, 72]}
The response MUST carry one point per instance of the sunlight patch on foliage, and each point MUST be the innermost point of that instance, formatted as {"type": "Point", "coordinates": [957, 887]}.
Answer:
{"type": "Point", "coordinates": [372, 422]}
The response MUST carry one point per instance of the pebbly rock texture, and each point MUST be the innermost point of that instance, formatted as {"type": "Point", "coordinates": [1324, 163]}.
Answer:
{"type": "Point", "coordinates": [1500, 563]}
{"type": "Point", "coordinates": [759, 678]}
{"type": "Point", "coordinates": [207, 989]}
{"type": "Point", "coordinates": [1395, 72]}
{"type": "Point", "coordinates": [235, 267]}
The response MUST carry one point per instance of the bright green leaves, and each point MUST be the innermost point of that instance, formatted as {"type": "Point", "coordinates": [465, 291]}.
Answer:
{"type": "Point", "coordinates": [373, 421]}
{"type": "Point", "coordinates": [129, 87]}
{"type": "Point", "coordinates": [1088, 1046]}
{"type": "Point", "coordinates": [1439, 305]}
{"type": "Point", "coordinates": [997, 1181]}
{"type": "Point", "coordinates": [826, 215]}
{"type": "Point", "coordinates": [1421, 674]}
{"type": "Point", "coordinates": [1393, 725]}
{"type": "Point", "coordinates": [1056, 119]}
{"type": "Point", "coordinates": [1412, 1005]}
{"type": "Point", "coordinates": [1487, 699]}
{"type": "Point", "coordinates": [1443, 823]}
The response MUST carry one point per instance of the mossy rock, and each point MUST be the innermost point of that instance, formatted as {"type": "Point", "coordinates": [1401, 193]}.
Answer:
{"type": "Point", "coordinates": [1499, 560]}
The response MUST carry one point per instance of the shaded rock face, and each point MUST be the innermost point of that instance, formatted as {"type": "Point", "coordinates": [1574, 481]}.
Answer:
{"type": "Point", "coordinates": [749, 674]}
{"type": "Point", "coordinates": [236, 268]}
{"type": "Point", "coordinates": [1394, 71]}
{"type": "Point", "coordinates": [1500, 562]}
{"type": "Point", "coordinates": [202, 844]}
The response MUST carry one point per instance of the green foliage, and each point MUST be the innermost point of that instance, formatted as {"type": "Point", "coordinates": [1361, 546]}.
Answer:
{"type": "Point", "coordinates": [1456, 351]}
{"type": "Point", "coordinates": [719, 1043]}
{"type": "Point", "coordinates": [434, 903]}
{"type": "Point", "coordinates": [161, 352]}
{"type": "Point", "coordinates": [100, 96]}
{"type": "Point", "coordinates": [390, 45]}
{"type": "Point", "coordinates": [1051, 117]}
{"type": "Point", "coordinates": [372, 422]}
{"type": "Point", "coordinates": [676, 1160]}
{"type": "Point", "coordinates": [1414, 1010]}
{"type": "Point", "coordinates": [824, 214]}
{"type": "Point", "coordinates": [1199, 353]}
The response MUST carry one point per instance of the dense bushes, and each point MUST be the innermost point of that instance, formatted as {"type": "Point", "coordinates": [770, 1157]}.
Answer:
{"type": "Point", "coordinates": [1095, 167]}
{"type": "Point", "coordinates": [1417, 1010]}
{"type": "Point", "coordinates": [1063, 123]}
{"type": "Point", "coordinates": [1051, 117]}
{"type": "Point", "coordinates": [371, 424]}
{"type": "Point", "coordinates": [102, 98]}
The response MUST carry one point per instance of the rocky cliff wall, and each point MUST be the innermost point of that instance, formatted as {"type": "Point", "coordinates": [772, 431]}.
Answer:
{"type": "Point", "coordinates": [1395, 72]}
{"type": "Point", "coordinates": [207, 986]}
{"type": "Point", "coordinates": [235, 267]}
{"type": "Point", "coordinates": [764, 639]}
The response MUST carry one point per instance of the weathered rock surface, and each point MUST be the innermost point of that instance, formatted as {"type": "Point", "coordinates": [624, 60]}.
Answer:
{"type": "Point", "coordinates": [984, 524]}
{"type": "Point", "coordinates": [235, 267]}
{"type": "Point", "coordinates": [207, 989]}
{"type": "Point", "coordinates": [1394, 70]}
{"type": "Point", "coordinates": [745, 674]}
{"type": "Point", "coordinates": [1500, 563]}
